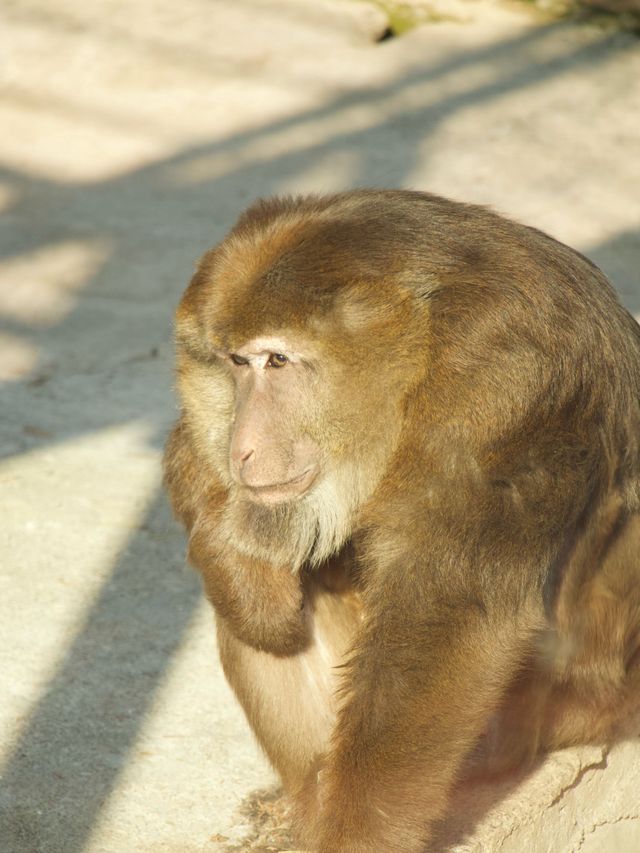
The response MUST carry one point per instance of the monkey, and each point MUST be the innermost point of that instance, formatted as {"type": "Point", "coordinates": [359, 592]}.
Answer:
{"type": "Point", "coordinates": [407, 461]}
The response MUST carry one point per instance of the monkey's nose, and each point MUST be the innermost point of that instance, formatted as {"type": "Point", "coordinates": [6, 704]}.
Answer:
{"type": "Point", "coordinates": [242, 455]}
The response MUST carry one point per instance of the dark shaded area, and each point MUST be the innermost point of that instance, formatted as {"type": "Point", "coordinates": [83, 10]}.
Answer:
{"type": "Point", "coordinates": [386, 34]}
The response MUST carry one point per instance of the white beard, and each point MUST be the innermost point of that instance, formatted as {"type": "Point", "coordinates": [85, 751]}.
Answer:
{"type": "Point", "coordinates": [305, 530]}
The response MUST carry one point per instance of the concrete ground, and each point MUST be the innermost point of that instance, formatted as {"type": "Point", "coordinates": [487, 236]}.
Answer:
{"type": "Point", "coordinates": [132, 135]}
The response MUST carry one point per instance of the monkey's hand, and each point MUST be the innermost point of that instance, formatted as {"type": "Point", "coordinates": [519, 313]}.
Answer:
{"type": "Point", "coordinates": [262, 604]}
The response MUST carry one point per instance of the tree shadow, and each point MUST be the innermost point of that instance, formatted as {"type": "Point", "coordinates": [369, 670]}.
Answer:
{"type": "Point", "coordinates": [152, 223]}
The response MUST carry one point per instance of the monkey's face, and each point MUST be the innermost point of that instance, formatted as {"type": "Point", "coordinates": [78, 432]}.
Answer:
{"type": "Point", "coordinates": [271, 419]}
{"type": "Point", "coordinates": [292, 373]}
{"type": "Point", "coordinates": [273, 455]}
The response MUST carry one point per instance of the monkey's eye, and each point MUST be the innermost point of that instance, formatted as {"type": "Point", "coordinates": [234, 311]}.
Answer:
{"type": "Point", "coordinates": [238, 359]}
{"type": "Point", "coordinates": [276, 359]}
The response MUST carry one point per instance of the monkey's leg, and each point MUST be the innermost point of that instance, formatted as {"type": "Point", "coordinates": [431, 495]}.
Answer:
{"type": "Point", "coordinates": [290, 700]}
{"type": "Point", "coordinates": [414, 709]}
{"type": "Point", "coordinates": [596, 684]}
{"type": "Point", "coordinates": [512, 738]}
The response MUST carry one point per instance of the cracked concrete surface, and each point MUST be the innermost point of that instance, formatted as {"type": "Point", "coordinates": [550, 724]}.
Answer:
{"type": "Point", "coordinates": [581, 799]}
{"type": "Point", "coordinates": [133, 135]}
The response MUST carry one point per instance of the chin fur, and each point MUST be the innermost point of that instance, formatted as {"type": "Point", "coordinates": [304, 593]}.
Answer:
{"type": "Point", "coordinates": [303, 530]}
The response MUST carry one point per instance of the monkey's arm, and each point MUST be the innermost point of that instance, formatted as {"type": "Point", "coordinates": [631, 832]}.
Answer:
{"type": "Point", "coordinates": [262, 603]}
{"type": "Point", "coordinates": [423, 682]}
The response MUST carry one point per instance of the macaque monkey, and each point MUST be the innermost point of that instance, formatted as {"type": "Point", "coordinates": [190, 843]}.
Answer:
{"type": "Point", "coordinates": [407, 459]}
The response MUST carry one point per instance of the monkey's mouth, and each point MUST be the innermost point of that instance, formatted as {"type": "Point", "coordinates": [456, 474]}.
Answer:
{"type": "Point", "coordinates": [288, 490]}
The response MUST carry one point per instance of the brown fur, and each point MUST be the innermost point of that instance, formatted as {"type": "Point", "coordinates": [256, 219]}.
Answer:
{"type": "Point", "coordinates": [461, 584]}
